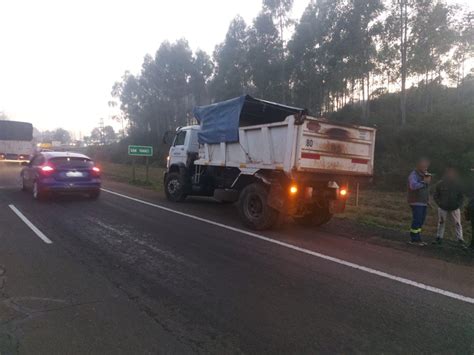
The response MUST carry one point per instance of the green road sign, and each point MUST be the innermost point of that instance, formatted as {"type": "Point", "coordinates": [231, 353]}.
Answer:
{"type": "Point", "coordinates": [140, 151]}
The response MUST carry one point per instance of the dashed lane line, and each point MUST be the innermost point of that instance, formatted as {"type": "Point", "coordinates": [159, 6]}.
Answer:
{"type": "Point", "coordinates": [35, 230]}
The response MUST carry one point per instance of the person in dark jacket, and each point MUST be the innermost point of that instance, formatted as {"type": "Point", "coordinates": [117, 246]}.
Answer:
{"type": "Point", "coordinates": [449, 197]}
{"type": "Point", "coordinates": [470, 209]}
{"type": "Point", "coordinates": [418, 195]}
{"type": "Point", "coordinates": [470, 216]}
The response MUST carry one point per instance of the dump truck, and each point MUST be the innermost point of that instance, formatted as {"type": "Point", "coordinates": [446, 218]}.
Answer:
{"type": "Point", "coordinates": [273, 160]}
{"type": "Point", "coordinates": [16, 141]}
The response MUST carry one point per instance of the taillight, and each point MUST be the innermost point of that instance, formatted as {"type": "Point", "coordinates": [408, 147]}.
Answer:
{"type": "Point", "coordinates": [46, 169]}
{"type": "Point", "coordinates": [95, 171]}
{"type": "Point", "coordinates": [293, 189]}
{"type": "Point", "coordinates": [343, 192]}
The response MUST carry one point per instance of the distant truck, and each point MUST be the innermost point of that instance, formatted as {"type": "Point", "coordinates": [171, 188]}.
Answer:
{"type": "Point", "coordinates": [273, 159]}
{"type": "Point", "coordinates": [16, 141]}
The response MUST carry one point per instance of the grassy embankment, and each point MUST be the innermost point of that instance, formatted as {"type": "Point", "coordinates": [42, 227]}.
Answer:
{"type": "Point", "coordinates": [376, 208]}
{"type": "Point", "coordinates": [123, 173]}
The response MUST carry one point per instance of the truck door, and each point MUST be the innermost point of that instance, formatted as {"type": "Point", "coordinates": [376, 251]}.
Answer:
{"type": "Point", "coordinates": [178, 151]}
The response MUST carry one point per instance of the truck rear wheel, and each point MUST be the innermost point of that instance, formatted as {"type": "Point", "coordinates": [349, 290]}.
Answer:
{"type": "Point", "coordinates": [175, 187]}
{"type": "Point", "coordinates": [254, 211]}
{"type": "Point", "coordinates": [316, 218]}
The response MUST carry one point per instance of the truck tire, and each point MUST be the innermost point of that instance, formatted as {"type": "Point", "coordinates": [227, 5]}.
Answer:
{"type": "Point", "coordinates": [317, 218]}
{"type": "Point", "coordinates": [254, 211]}
{"type": "Point", "coordinates": [175, 187]}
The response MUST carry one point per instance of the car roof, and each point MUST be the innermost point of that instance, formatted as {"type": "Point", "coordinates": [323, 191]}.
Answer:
{"type": "Point", "coordinates": [51, 155]}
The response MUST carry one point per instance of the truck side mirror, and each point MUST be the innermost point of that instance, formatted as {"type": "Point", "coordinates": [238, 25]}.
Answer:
{"type": "Point", "coordinates": [168, 137]}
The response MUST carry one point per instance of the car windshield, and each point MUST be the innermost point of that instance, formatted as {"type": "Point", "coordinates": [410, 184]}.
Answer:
{"type": "Point", "coordinates": [70, 162]}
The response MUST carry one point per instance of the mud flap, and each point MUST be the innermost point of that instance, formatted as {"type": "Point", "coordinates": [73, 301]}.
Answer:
{"type": "Point", "coordinates": [337, 206]}
{"type": "Point", "coordinates": [275, 198]}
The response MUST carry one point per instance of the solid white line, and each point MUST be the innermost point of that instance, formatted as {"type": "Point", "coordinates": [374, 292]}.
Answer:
{"type": "Point", "coordinates": [39, 233]}
{"type": "Point", "coordinates": [309, 252]}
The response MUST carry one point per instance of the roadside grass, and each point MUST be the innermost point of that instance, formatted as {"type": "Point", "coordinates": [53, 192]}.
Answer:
{"type": "Point", "coordinates": [123, 173]}
{"type": "Point", "coordinates": [390, 210]}
{"type": "Point", "coordinates": [376, 208]}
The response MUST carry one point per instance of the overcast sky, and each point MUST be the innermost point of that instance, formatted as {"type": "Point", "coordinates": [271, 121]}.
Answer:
{"type": "Point", "coordinates": [59, 58]}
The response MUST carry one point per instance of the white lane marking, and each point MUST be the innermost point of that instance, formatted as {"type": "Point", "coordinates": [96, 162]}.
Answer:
{"type": "Point", "coordinates": [309, 252]}
{"type": "Point", "coordinates": [39, 233]}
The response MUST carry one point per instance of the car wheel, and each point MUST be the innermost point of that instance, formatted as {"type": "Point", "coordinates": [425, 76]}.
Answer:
{"type": "Point", "coordinates": [94, 195]}
{"type": "Point", "coordinates": [254, 211]}
{"type": "Point", "coordinates": [175, 188]}
{"type": "Point", "coordinates": [23, 185]}
{"type": "Point", "coordinates": [38, 193]}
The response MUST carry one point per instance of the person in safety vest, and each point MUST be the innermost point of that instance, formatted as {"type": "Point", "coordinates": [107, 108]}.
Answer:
{"type": "Point", "coordinates": [418, 196]}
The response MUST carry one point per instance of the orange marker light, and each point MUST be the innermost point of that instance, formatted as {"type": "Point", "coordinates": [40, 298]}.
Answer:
{"type": "Point", "coordinates": [293, 189]}
{"type": "Point", "coordinates": [343, 192]}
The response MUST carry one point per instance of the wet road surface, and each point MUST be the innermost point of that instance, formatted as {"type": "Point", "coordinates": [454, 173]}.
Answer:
{"type": "Point", "coordinates": [125, 277]}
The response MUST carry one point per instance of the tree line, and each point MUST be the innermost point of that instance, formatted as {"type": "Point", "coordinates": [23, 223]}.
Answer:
{"type": "Point", "coordinates": [339, 52]}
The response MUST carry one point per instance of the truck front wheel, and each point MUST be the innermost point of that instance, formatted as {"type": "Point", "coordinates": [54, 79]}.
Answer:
{"type": "Point", "coordinates": [174, 187]}
{"type": "Point", "coordinates": [254, 211]}
{"type": "Point", "coordinates": [316, 218]}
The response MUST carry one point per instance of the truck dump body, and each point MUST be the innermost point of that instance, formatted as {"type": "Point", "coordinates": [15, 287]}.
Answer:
{"type": "Point", "coordinates": [316, 146]}
{"type": "Point", "coordinates": [331, 148]}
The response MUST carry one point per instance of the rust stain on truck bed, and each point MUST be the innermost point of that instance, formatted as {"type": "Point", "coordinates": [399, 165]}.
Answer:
{"type": "Point", "coordinates": [336, 148]}
{"type": "Point", "coordinates": [338, 133]}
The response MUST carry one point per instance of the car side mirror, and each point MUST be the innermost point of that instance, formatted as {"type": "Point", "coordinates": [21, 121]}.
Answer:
{"type": "Point", "coordinates": [168, 137]}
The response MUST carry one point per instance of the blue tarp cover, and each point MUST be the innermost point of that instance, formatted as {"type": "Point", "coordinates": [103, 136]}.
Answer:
{"type": "Point", "coordinates": [220, 122]}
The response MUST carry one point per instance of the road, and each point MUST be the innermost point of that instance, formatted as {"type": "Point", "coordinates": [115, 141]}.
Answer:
{"type": "Point", "coordinates": [125, 276]}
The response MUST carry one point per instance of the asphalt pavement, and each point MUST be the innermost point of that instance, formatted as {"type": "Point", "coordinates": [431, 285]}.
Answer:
{"type": "Point", "coordinates": [131, 273]}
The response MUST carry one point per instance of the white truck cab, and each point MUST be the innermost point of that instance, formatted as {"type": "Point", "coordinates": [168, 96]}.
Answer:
{"type": "Point", "coordinates": [185, 143]}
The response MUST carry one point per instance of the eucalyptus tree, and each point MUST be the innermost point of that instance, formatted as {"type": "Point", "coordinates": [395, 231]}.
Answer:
{"type": "Point", "coordinates": [264, 59]}
{"type": "Point", "coordinates": [231, 76]}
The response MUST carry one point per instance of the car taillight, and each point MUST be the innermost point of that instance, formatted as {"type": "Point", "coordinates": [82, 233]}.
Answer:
{"type": "Point", "coordinates": [46, 169]}
{"type": "Point", "coordinates": [95, 171]}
